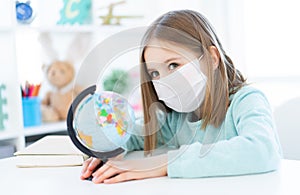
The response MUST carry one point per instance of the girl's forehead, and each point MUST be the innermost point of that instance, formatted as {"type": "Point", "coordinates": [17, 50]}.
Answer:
{"type": "Point", "coordinates": [151, 52]}
{"type": "Point", "coordinates": [162, 49]}
{"type": "Point", "coordinates": [154, 56]}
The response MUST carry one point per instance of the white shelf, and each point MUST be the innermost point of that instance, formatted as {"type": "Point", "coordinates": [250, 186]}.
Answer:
{"type": "Point", "coordinates": [13, 129]}
{"type": "Point", "coordinates": [16, 133]}
{"type": "Point", "coordinates": [74, 29]}
{"type": "Point", "coordinates": [56, 28]}
{"type": "Point", "coordinates": [5, 28]}
{"type": "Point", "coordinates": [45, 128]}
{"type": "Point", "coordinates": [8, 134]}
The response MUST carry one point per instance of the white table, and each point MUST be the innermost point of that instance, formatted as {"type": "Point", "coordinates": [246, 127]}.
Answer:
{"type": "Point", "coordinates": [65, 180]}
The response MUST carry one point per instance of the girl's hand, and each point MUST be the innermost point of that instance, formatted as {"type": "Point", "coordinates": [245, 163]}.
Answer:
{"type": "Point", "coordinates": [88, 167]}
{"type": "Point", "coordinates": [115, 171]}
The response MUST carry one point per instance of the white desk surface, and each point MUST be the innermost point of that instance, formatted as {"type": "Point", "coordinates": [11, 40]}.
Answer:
{"type": "Point", "coordinates": [65, 180]}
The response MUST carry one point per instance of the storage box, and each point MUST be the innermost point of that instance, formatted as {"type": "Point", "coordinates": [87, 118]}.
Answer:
{"type": "Point", "coordinates": [32, 115]}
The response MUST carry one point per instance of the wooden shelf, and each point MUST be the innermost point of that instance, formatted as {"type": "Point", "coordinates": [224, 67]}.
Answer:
{"type": "Point", "coordinates": [45, 128]}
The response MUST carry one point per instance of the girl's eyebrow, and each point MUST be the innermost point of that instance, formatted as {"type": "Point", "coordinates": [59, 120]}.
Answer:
{"type": "Point", "coordinates": [171, 59]}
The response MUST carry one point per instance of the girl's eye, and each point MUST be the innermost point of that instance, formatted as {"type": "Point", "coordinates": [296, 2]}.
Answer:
{"type": "Point", "coordinates": [173, 66]}
{"type": "Point", "coordinates": [154, 74]}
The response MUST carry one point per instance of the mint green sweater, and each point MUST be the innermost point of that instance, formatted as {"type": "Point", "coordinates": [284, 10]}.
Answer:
{"type": "Point", "coordinates": [245, 143]}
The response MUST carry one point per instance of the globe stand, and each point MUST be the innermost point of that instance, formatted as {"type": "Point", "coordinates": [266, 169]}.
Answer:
{"type": "Point", "coordinates": [104, 156]}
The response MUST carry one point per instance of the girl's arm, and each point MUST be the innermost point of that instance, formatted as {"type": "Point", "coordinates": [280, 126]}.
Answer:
{"type": "Point", "coordinates": [135, 141]}
{"type": "Point", "coordinates": [256, 148]}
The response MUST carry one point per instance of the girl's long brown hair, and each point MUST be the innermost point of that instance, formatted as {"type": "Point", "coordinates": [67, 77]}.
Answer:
{"type": "Point", "coordinates": [190, 30]}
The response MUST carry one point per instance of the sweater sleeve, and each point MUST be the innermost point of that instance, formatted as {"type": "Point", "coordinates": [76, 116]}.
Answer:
{"type": "Point", "coordinates": [168, 122]}
{"type": "Point", "coordinates": [254, 150]}
{"type": "Point", "coordinates": [136, 140]}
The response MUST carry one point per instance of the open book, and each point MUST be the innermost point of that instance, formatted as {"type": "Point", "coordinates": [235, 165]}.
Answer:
{"type": "Point", "coordinates": [50, 151]}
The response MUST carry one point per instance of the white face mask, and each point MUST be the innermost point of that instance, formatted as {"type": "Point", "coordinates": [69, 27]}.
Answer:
{"type": "Point", "coordinates": [184, 89]}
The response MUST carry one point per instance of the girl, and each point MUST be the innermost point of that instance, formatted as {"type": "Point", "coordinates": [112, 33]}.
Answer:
{"type": "Point", "coordinates": [197, 102]}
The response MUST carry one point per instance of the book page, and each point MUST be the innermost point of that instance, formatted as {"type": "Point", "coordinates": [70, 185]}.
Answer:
{"type": "Point", "coordinates": [48, 160]}
{"type": "Point", "coordinates": [51, 145]}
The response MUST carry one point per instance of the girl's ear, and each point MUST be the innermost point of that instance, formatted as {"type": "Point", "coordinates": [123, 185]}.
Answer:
{"type": "Point", "coordinates": [215, 56]}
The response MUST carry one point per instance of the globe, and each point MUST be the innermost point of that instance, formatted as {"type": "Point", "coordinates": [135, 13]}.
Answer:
{"type": "Point", "coordinates": [103, 121]}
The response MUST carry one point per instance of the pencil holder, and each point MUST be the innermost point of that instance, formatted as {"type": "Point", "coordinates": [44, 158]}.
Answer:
{"type": "Point", "coordinates": [31, 111]}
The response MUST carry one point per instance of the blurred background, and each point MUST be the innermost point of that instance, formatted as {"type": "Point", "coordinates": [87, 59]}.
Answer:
{"type": "Point", "coordinates": [261, 37]}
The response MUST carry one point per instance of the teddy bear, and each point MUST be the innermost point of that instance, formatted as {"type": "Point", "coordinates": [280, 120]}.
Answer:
{"type": "Point", "coordinates": [60, 74]}
{"type": "Point", "coordinates": [56, 102]}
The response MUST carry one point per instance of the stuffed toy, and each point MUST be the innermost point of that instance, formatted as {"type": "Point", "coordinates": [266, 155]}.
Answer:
{"type": "Point", "coordinates": [60, 75]}
{"type": "Point", "coordinates": [56, 102]}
